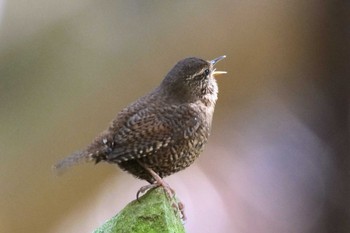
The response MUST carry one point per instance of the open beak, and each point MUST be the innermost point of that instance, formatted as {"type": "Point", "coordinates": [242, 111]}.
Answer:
{"type": "Point", "coordinates": [214, 61]}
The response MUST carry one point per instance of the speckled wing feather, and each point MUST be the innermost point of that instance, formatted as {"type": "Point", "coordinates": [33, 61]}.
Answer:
{"type": "Point", "coordinates": [150, 129]}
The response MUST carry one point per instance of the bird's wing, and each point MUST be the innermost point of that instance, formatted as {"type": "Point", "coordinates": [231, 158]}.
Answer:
{"type": "Point", "coordinates": [149, 130]}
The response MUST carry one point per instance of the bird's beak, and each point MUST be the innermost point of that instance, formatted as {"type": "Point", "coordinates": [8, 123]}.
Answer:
{"type": "Point", "coordinates": [216, 60]}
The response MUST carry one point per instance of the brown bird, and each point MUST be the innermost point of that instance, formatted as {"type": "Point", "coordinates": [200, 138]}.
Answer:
{"type": "Point", "coordinates": [164, 131]}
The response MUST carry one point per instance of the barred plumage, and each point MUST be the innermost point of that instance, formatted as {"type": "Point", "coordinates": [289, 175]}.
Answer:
{"type": "Point", "coordinates": [165, 130]}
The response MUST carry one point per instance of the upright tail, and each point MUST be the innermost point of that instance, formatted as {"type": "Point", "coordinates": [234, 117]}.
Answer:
{"type": "Point", "coordinates": [76, 158]}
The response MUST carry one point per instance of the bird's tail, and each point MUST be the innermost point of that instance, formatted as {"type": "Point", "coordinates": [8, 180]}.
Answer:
{"type": "Point", "coordinates": [76, 158]}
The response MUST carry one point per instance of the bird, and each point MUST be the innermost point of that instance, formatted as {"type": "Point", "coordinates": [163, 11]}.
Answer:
{"type": "Point", "coordinates": [162, 132]}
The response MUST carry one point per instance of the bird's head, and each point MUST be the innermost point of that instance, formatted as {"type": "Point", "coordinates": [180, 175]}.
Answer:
{"type": "Point", "coordinates": [192, 79]}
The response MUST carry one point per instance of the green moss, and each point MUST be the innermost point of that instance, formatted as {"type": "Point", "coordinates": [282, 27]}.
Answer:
{"type": "Point", "coordinates": [153, 213]}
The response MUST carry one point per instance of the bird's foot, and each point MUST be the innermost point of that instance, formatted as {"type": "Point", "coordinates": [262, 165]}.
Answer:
{"type": "Point", "coordinates": [176, 204]}
{"type": "Point", "coordinates": [145, 188]}
{"type": "Point", "coordinates": [158, 183]}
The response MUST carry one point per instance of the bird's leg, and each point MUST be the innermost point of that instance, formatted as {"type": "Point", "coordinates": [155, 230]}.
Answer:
{"type": "Point", "coordinates": [158, 182]}
{"type": "Point", "coordinates": [177, 205]}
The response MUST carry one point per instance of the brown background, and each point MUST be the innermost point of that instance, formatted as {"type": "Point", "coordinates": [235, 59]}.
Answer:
{"type": "Point", "coordinates": [278, 157]}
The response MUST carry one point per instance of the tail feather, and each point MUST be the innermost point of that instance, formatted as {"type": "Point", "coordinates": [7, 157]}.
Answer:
{"type": "Point", "coordinates": [76, 158]}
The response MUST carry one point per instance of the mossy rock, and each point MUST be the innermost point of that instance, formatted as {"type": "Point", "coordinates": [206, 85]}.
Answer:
{"type": "Point", "coordinates": [152, 213]}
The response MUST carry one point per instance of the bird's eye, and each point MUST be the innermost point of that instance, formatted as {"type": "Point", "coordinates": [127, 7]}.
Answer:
{"type": "Point", "coordinates": [206, 72]}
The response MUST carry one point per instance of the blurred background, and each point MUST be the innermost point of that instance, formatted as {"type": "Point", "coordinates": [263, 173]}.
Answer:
{"type": "Point", "coordinates": [278, 157]}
